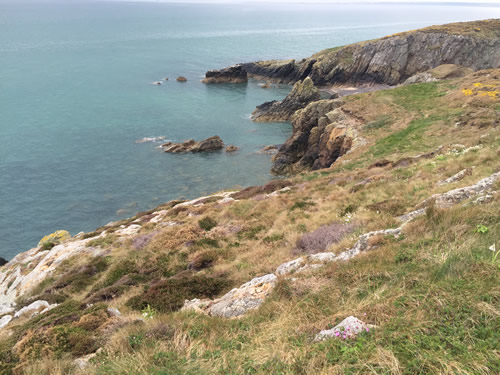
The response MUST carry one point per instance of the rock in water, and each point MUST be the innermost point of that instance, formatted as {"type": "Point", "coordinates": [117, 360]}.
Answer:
{"type": "Point", "coordinates": [233, 74]}
{"type": "Point", "coordinates": [303, 93]}
{"type": "Point", "coordinates": [210, 144]}
{"type": "Point", "coordinates": [232, 148]}
{"type": "Point", "coordinates": [181, 79]}
{"type": "Point", "coordinates": [3, 261]}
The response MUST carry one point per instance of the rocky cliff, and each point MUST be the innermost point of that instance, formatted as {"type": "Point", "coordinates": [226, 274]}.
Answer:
{"type": "Point", "coordinates": [303, 93]}
{"type": "Point", "coordinates": [394, 58]}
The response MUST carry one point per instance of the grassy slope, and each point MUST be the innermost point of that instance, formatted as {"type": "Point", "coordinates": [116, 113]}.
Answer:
{"type": "Point", "coordinates": [434, 293]}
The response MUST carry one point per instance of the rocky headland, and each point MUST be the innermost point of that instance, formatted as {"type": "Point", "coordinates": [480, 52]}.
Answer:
{"type": "Point", "coordinates": [391, 59]}
{"type": "Point", "coordinates": [323, 130]}
{"type": "Point", "coordinates": [379, 253]}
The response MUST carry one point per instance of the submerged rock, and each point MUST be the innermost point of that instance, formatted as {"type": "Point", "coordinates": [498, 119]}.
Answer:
{"type": "Point", "coordinates": [233, 74]}
{"type": "Point", "coordinates": [210, 144]}
{"type": "Point", "coordinates": [303, 93]}
{"type": "Point", "coordinates": [181, 79]}
{"type": "Point", "coordinates": [232, 148]}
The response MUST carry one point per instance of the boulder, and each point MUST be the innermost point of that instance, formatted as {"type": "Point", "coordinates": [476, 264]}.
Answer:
{"type": "Point", "coordinates": [210, 144]}
{"type": "Point", "coordinates": [181, 79]}
{"type": "Point", "coordinates": [37, 307]}
{"type": "Point", "coordinates": [59, 236]}
{"type": "Point", "coordinates": [247, 297]}
{"type": "Point", "coordinates": [232, 148]}
{"type": "Point", "coordinates": [233, 74]}
{"type": "Point", "coordinates": [350, 327]}
{"type": "Point", "coordinates": [238, 301]}
{"type": "Point", "coordinates": [440, 72]}
{"type": "Point", "coordinates": [3, 261]}
{"type": "Point", "coordinates": [303, 93]}
{"type": "Point", "coordinates": [4, 320]}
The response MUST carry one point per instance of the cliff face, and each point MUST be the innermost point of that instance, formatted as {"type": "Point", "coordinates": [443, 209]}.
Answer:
{"type": "Point", "coordinates": [392, 59]}
{"type": "Point", "coordinates": [303, 93]}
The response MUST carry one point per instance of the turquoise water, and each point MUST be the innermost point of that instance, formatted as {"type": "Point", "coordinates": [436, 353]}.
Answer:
{"type": "Point", "coordinates": [76, 93]}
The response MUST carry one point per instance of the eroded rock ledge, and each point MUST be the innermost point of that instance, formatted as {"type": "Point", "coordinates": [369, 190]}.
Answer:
{"type": "Point", "coordinates": [322, 133]}
{"type": "Point", "coordinates": [303, 93]}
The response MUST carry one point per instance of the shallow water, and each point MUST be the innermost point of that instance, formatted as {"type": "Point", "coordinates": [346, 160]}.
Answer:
{"type": "Point", "coordinates": [76, 93]}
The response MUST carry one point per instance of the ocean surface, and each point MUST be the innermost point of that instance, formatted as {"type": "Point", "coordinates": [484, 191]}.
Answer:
{"type": "Point", "coordinates": [76, 94]}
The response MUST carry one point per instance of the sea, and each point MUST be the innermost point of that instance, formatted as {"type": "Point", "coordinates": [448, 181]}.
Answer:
{"type": "Point", "coordinates": [76, 95]}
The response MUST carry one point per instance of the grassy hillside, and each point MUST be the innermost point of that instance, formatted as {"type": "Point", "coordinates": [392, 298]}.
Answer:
{"type": "Point", "coordinates": [433, 293]}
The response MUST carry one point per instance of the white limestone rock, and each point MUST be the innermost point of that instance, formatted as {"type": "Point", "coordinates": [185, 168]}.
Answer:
{"type": "Point", "coordinates": [350, 327]}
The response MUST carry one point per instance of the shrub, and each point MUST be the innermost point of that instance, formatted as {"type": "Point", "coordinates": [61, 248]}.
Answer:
{"type": "Point", "coordinates": [169, 295]}
{"type": "Point", "coordinates": [273, 238]}
{"type": "Point", "coordinates": [112, 291]}
{"type": "Point", "coordinates": [207, 242]}
{"type": "Point", "coordinates": [320, 239]}
{"type": "Point", "coordinates": [302, 205]}
{"type": "Point", "coordinates": [203, 260]}
{"type": "Point", "coordinates": [141, 241]}
{"type": "Point", "coordinates": [78, 278]}
{"type": "Point", "coordinates": [207, 223]}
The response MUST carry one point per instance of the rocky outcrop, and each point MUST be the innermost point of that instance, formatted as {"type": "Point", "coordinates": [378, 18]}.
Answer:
{"type": "Point", "coordinates": [3, 261]}
{"type": "Point", "coordinates": [238, 301]}
{"type": "Point", "coordinates": [233, 74]}
{"type": "Point", "coordinates": [444, 71]}
{"type": "Point", "coordinates": [392, 59]}
{"type": "Point", "coordinates": [303, 93]}
{"type": "Point", "coordinates": [348, 328]}
{"type": "Point", "coordinates": [210, 144]}
{"type": "Point", "coordinates": [322, 133]}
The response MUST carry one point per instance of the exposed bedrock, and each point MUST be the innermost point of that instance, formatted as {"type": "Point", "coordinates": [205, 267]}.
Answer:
{"type": "Point", "coordinates": [303, 93]}
{"type": "Point", "coordinates": [322, 133]}
{"type": "Point", "coordinates": [392, 59]}
{"type": "Point", "coordinates": [233, 74]}
{"type": "Point", "coordinates": [210, 144]}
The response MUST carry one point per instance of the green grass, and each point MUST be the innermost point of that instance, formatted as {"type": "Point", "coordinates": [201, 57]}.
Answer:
{"type": "Point", "coordinates": [408, 139]}
{"type": "Point", "coordinates": [417, 97]}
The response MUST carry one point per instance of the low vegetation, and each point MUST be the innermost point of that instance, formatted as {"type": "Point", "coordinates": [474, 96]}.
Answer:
{"type": "Point", "coordinates": [432, 293]}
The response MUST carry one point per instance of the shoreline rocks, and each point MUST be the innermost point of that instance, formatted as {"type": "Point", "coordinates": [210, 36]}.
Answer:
{"type": "Point", "coordinates": [232, 74]}
{"type": "Point", "coordinates": [303, 93]}
{"type": "Point", "coordinates": [207, 145]}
